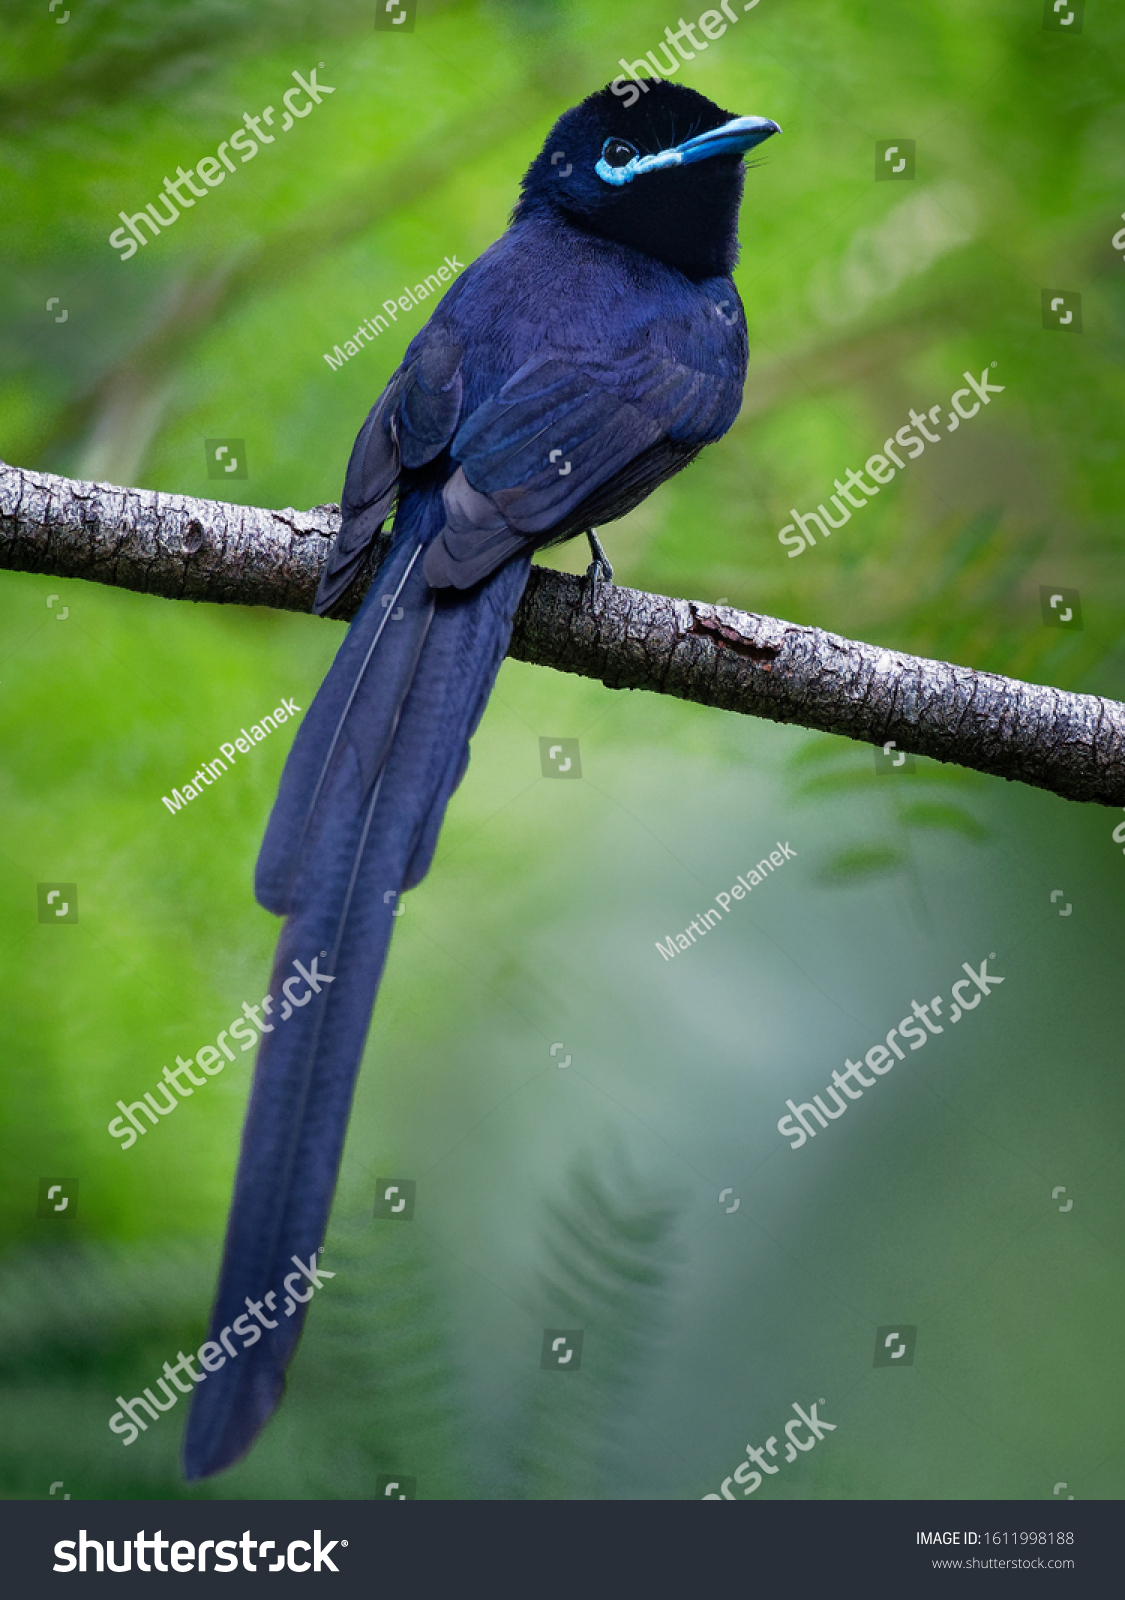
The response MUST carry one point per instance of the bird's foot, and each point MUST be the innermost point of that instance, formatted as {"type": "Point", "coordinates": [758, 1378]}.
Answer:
{"type": "Point", "coordinates": [599, 569]}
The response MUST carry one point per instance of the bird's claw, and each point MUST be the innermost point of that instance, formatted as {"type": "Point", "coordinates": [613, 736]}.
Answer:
{"type": "Point", "coordinates": [598, 572]}
{"type": "Point", "coordinates": [599, 569]}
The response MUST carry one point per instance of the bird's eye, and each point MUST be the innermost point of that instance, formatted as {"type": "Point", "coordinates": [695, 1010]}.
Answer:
{"type": "Point", "coordinates": [618, 152]}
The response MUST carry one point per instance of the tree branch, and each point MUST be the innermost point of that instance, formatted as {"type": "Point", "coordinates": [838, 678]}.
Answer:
{"type": "Point", "coordinates": [185, 549]}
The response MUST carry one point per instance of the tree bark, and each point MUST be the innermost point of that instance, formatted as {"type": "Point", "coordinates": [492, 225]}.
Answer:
{"type": "Point", "coordinates": [186, 549]}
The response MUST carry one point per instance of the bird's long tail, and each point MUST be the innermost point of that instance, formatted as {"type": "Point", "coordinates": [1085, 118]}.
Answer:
{"type": "Point", "coordinates": [361, 800]}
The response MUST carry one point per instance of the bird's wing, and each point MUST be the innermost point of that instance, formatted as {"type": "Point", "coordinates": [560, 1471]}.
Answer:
{"type": "Point", "coordinates": [409, 425]}
{"type": "Point", "coordinates": [565, 423]}
{"type": "Point", "coordinates": [561, 427]}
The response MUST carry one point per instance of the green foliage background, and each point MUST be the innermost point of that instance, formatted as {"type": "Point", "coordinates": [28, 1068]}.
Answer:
{"type": "Point", "coordinates": [583, 1197]}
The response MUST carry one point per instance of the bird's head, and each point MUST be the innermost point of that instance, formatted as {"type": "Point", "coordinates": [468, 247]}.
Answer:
{"type": "Point", "coordinates": [662, 173]}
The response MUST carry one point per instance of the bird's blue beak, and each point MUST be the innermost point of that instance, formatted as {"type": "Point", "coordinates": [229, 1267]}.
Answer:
{"type": "Point", "coordinates": [733, 138]}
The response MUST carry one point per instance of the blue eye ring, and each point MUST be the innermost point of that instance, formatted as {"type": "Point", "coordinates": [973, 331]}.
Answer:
{"type": "Point", "coordinates": [637, 166]}
{"type": "Point", "coordinates": [618, 172]}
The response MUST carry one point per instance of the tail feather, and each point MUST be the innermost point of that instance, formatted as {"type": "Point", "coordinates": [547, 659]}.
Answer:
{"type": "Point", "coordinates": [357, 707]}
{"type": "Point", "coordinates": [362, 798]}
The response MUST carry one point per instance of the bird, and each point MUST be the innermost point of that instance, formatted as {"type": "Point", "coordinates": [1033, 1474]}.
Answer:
{"type": "Point", "coordinates": [585, 357]}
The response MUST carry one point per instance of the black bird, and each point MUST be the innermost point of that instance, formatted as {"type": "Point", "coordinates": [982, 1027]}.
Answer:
{"type": "Point", "coordinates": [585, 357]}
